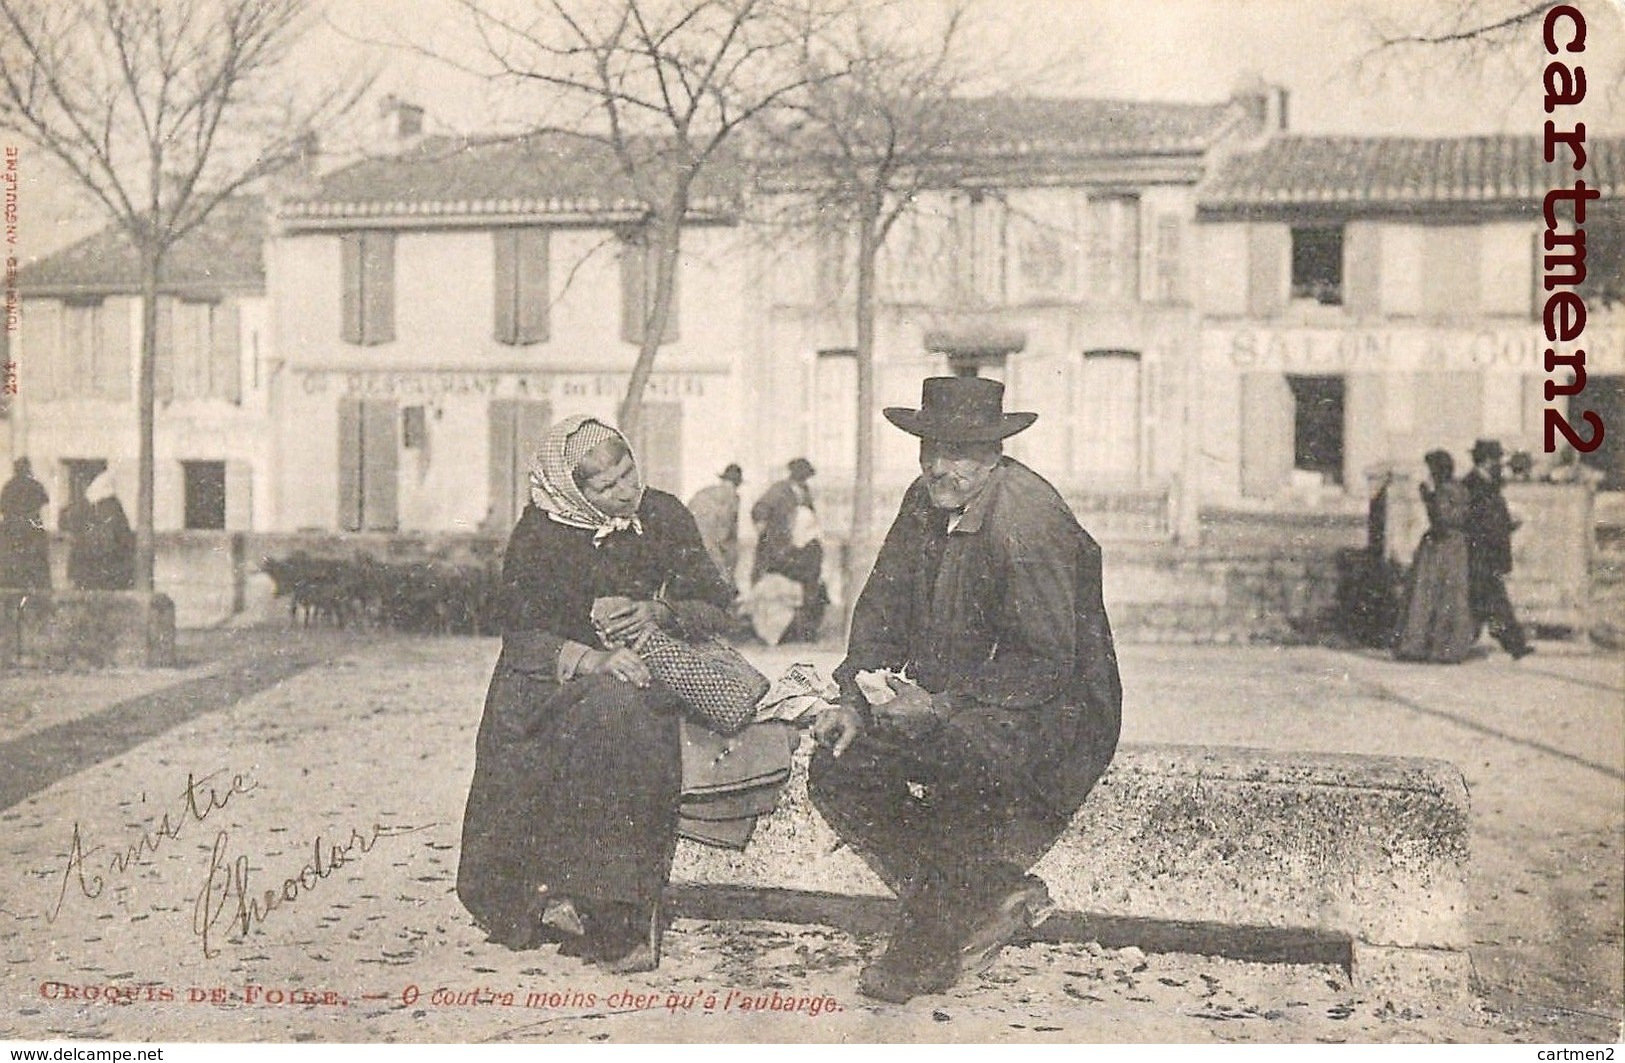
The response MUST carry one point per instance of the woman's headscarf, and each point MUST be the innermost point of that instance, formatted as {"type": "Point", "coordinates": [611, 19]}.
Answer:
{"type": "Point", "coordinates": [552, 481]}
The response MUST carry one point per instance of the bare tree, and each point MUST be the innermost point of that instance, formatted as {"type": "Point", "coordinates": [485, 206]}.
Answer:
{"type": "Point", "coordinates": [667, 85]}
{"type": "Point", "coordinates": [159, 110]}
{"type": "Point", "coordinates": [861, 148]}
{"type": "Point", "coordinates": [1473, 35]}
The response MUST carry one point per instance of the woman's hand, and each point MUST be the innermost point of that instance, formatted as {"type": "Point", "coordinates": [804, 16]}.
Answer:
{"type": "Point", "coordinates": [625, 621]}
{"type": "Point", "coordinates": [620, 663]}
{"type": "Point", "coordinates": [837, 727]}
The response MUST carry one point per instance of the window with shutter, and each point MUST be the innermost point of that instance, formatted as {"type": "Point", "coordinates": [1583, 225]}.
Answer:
{"type": "Point", "coordinates": [1317, 263]}
{"type": "Point", "coordinates": [380, 458]}
{"type": "Point", "coordinates": [367, 303]}
{"type": "Point", "coordinates": [1108, 425]}
{"type": "Point", "coordinates": [520, 272]}
{"type": "Point", "coordinates": [113, 363]}
{"type": "Point", "coordinates": [41, 359]}
{"type": "Point", "coordinates": [516, 430]}
{"type": "Point", "coordinates": [349, 516]}
{"type": "Point", "coordinates": [1269, 247]}
{"type": "Point", "coordinates": [163, 363]}
{"type": "Point", "coordinates": [225, 352]}
{"type": "Point", "coordinates": [369, 454]}
{"type": "Point", "coordinates": [1318, 425]}
{"type": "Point", "coordinates": [1114, 249]}
{"type": "Point", "coordinates": [81, 338]}
{"type": "Point", "coordinates": [638, 267]}
{"type": "Point", "coordinates": [1170, 281]}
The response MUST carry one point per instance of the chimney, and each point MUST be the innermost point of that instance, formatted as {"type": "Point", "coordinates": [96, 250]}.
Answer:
{"type": "Point", "coordinates": [402, 122]}
{"type": "Point", "coordinates": [1264, 103]}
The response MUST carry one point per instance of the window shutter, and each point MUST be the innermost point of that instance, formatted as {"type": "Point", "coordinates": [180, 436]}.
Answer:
{"type": "Point", "coordinates": [239, 496]}
{"type": "Point", "coordinates": [501, 462]}
{"type": "Point", "coordinates": [660, 445]}
{"type": "Point", "coordinates": [505, 277]}
{"type": "Point", "coordinates": [1451, 270]}
{"type": "Point", "coordinates": [349, 464]}
{"type": "Point", "coordinates": [226, 363]}
{"type": "Point", "coordinates": [1266, 434]}
{"type": "Point", "coordinates": [163, 355]}
{"type": "Point", "coordinates": [41, 349]}
{"type": "Point", "coordinates": [633, 297]}
{"type": "Point", "coordinates": [113, 363]}
{"type": "Point", "coordinates": [350, 279]}
{"type": "Point", "coordinates": [80, 342]}
{"type": "Point", "coordinates": [529, 428]}
{"type": "Point", "coordinates": [1128, 249]}
{"type": "Point", "coordinates": [378, 288]}
{"type": "Point", "coordinates": [532, 292]}
{"type": "Point", "coordinates": [1362, 268]}
{"type": "Point", "coordinates": [1269, 249]}
{"type": "Point", "coordinates": [380, 450]}
{"type": "Point", "coordinates": [669, 334]}
{"type": "Point", "coordinates": [1170, 273]}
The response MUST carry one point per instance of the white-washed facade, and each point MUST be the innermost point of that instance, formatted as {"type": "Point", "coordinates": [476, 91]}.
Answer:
{"type": "Point", "coordinates": [1366, 300]}
{"type": "Point", "coordinates": [77, 355]}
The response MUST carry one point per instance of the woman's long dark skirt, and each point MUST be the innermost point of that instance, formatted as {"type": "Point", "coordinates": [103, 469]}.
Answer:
{"type": "Point", "coordinates": [575, 794]}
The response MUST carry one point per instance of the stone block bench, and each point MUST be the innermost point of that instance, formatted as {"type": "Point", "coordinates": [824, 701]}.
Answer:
{"type": "Point", "coordinates": [86, 629]}
{"type": "Point", "coordinates": [1266, 856]}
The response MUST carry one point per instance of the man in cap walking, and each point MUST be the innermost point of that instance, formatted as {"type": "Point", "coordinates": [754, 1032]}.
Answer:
{"type": "Point", "coordinates": [954, 781]}
{"type": "Point", "coordinates": [716, 511]}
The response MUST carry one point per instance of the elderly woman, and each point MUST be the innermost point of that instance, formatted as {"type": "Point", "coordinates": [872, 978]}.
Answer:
{"type": "Point", "coordinates": [578, 762]}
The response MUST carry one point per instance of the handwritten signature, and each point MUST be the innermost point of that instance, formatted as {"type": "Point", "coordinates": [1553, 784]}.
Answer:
{"type": "Point", "coordinates": [198, 800]}
{"type": "Point", "coordinates": [226, 897]}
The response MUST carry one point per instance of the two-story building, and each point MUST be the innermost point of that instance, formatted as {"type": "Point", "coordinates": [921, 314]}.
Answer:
{"type": "Point", "coordinates": [78, 353]}
{"type": "Point", "coordinates": [1367, 299]}
{"type": "Point", "coordinates": [436, 309]}
{"type": "Point", "coordinates": [1061, 259]}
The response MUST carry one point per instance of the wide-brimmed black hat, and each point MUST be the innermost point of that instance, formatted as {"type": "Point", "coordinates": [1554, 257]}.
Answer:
{"type": "Point", "coordinates": [956, 409]}
{"type": "Point", "coordinates": [1487, 450]}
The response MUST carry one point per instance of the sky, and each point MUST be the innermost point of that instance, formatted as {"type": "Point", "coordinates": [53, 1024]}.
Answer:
{"type": "Point", "coordinates": [1321, 51]}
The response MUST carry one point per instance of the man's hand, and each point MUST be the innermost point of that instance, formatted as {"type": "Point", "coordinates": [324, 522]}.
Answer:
{"type": "Point", "coordinates": [624, 621]}
{"type": "Point", "coordinates": [620, 663]}
{"type": "Point", "coordinates": [909, 703]}
{"type": "Point", "coordinates": [837, 727]}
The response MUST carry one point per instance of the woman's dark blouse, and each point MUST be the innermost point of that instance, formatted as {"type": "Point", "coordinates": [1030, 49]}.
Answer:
{"type": "Point", "coordinates": [552, 573]}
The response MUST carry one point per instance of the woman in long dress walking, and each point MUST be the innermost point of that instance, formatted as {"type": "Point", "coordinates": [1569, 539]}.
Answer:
{"type": "Point", "coordinates": [1437, 623]}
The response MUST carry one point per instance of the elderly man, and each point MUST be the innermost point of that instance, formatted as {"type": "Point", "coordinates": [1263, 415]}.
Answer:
{"type": "Point", "coordinates": [986, 594]}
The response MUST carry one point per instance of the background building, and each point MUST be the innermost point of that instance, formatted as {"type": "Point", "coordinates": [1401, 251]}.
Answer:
{"type": "Point", "coordinates": [435, 310]}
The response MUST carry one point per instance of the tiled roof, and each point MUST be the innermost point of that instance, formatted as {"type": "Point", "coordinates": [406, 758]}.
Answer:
{"type": "Point", "coordinates": [542, 173]}
{"type": "Point", "coordinates": [557, 174]}
{"type": "Point", "coordinates": [226, 252]}
{"type": "Point", "coordinates": [1022, 125]}
{"type": "Point", "coordinates": [1401, 171]}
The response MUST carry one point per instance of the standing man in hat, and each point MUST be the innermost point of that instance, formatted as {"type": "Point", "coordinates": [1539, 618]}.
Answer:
{"type": "Point", "coordinates": [25, 548]}
{"type": "Point", "coordinates": [986, 594]}
{"type": "Point", "coordinates": [789, 544]}
{"type": "Point", "coordinates": [1489, 551]}
{"type": "Point", "coordinates": [716, 511]}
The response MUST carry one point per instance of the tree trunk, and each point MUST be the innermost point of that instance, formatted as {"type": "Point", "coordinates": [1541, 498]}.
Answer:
{"type": "Point", "coordinates": [665, 243]}
{"type": "Point", "coordinates": [863, 484]}
{"type": "Point", "coordinates": [145, 553]}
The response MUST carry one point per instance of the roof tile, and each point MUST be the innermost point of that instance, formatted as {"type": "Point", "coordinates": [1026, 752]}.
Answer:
{"type": "Point", "coordinates": [1378, 171]}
